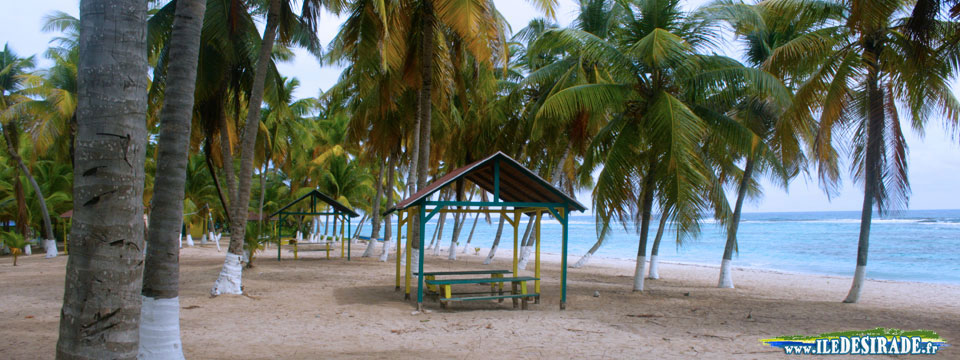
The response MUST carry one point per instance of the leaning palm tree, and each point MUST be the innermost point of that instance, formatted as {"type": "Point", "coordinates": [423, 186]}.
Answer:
{"type": "Point", "coordinates": [101, 300]}
{"type": "Point", "coordinates": [278, 18]}
{"type": "Point", "coordinates": [764, 28]}
{"type": "Point", "coordinates": [865, 73]}
{"type": "Point", "coordinates": [160, 319]}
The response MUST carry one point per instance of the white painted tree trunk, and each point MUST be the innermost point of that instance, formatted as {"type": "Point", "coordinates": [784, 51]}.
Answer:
{"type": "Point", "coordinates": [596, 246]}
{"type": "Point", "coordinates": [469, 238]}
{"type": "Point", "coordinates": [160, 329]}
{"type": "Point", "coordinates": [385, 251]}
{"type": "Point", "coordinates": [414, 259]}
{"type": "Point", "coordinates": [51, 247]}
{"type": "Point", "coordinates": [453, 250]}
{"type": "Point", "coordinates": [496, 243]}
{"type": "Point", "coordinates": [216, 240]}
{"type": "Point", "coordinates": [726, 278]}
{"type": "Point", "coordinates": [638, 273]}
{"type": "Point", "coordinates": [189, 240]}
{"type": "Point", "coordinates": [525, 252]}
{"type": "Point", "coordinates": [203, 239]}
{"type": "Point", "coordinates": [180, 237]}
{"type": "Point", "coordinates": [26, 250]}
{"type": "Point", "coordinates": [231, 276]}
{"type": "Point", "coordinates": [583, 260]}
{"type": "Point", "coordinates": [654, 271]}
{"type": "Point", "coordinates": [858, 278]}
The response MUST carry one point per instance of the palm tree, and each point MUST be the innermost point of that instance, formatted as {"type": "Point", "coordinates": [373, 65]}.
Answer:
{"type": "Point", "coordinates": [864, 73]}
{"type": "Point", "coordinates": [779, 153]}
{"type": "Point", "coordinates": [12, 69]}
{"type": "Point", "coordinates": [229, 280]}
{"type": "Point", "coordinates": [160, 322]}
{"type": "Point", "coordinates": [15, 242]}
{"type": "Point", "coordinates": [662, 96]}
{"type": "Point", "coordinates": [101, 303]}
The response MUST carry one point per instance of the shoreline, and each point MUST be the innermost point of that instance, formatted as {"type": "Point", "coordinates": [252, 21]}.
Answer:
{"type": "Point", "coordinates": [630, 264]}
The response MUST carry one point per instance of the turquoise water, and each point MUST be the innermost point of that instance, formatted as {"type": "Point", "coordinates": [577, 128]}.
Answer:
{"type": "Point", "coordinates": [916, 245]}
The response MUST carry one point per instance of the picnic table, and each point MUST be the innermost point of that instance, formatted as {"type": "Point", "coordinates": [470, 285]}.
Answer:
{"type": "Point", "coordinates": [442, 289]}
{"type": "Point", "coordinates": [296, 244]}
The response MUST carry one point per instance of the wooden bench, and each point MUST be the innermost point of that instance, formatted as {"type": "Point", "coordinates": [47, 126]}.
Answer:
{"type": "Point", "coordinates": [518, 285]}
{"type": "Point", "coordinates": [432, 275]}
{"type": "Point", "coordinates": [295, 244]}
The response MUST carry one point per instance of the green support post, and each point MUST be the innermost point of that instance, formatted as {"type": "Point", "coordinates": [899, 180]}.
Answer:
{"type": "Point", "coordinates": [563, 260]}
{"type": "Point", "coordinates": [349, 235]}
{"type": "Point", "coordinates": [279, 235]}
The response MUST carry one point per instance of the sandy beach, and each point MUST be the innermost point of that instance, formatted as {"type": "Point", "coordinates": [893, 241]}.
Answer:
{"type": "Point", "coordinates": [317, 308]}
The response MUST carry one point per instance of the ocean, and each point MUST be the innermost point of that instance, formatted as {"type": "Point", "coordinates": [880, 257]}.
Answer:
{"type": "Point", "coordinates": [914, 245]}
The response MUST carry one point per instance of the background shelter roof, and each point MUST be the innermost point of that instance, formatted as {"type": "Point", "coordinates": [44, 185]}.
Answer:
{"type": "Point", "coordinates": [517, 183]}
{"type": "Point", "coordinates": [338, 206]}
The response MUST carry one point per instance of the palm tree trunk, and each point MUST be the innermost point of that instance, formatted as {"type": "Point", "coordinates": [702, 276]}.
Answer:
{"type": "Point", "coordinates": [496, 243]}
{"type": "Point", "coordinates": [101, 304]}
{"type": "Point", "coordinates": [10, 132]}
{"type": "Point", "coordinates": [425, 110]}
{"type": "Point", "coordinates": [23, 219]}
{"type": "Point", "coordinates": [388, 231]}
{"type": "Point", "coordinates": [375, 220]}
{"type": "Point", "coordinates": [647, 206]}
{"type": "Point", "coordinates": [458, 220]}
{"type": "Point", "coordinates": [525, 244]}
{"type": "Point", "coordinates": [263, 192]}
{"type": "Point", "coordinates": [586, 257]}
{"type": "Point", "coordinates": [726, 278]}
{"type": "Point", "coordinates": [654, 271]}
{"type": "Point", "coordinates": [230, 279]}
{"type": "Point", "coordinates": [160, 314]}
{"type": "Point", "coordinates": [230, 177]}
{"type": "Point", "coordinates": [470, 237]}
{"type": "Point", "coordinates": [875, 122]}
{"type": "Point", "coordinates": [439, 234]}
{"type": "Point", "coordinates": [216, 182]}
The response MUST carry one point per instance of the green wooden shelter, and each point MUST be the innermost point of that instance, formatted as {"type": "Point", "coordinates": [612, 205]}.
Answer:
{"type": "Point", "coordinates": [338, 210]}
{"type": "Point", "coordinates": [516, 191]}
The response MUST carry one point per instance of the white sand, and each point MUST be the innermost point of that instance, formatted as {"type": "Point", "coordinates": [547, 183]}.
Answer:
{"type": "Point", "coordinates": [317, 308]}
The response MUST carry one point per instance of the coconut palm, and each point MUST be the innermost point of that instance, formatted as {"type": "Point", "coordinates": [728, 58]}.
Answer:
{"type": "Point", "coordinates": [101, 302]}
{"type": "Point", "coordinates": [765, 28]}
{"type": "Point", "coordinates": [278, 17]}
{"type": "Point", "coordinates": [160, 322]}
{"type": "Point", "coordinates": [662, 96]}
{"type": "Point", "coordinates": [865, 73]}
{"type": "Point", "coordinates": [12, 115]}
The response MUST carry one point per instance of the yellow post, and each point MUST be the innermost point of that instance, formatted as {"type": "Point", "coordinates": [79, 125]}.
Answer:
{"type": "Point", "coordinates": [516, 221]}
{"type": "Point", "coordinates": [399, 224]}
{"type": "Point", "coordinates": [536, 262]}
{"type": "Point", "coordinates": [409, 273]}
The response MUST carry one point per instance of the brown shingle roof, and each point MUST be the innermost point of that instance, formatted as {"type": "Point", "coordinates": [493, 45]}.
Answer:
{"type": "Point", "coordinates": [517, 183]}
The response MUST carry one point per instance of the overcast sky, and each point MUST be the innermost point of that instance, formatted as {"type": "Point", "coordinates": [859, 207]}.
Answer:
{"type": "Point", "coordinates": [934, 158]}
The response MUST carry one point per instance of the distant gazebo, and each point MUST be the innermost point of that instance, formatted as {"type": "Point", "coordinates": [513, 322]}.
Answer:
{"type": "Point", "coordinates": [516, 191]}
{"type": "Point", "coordinates": [339, 212]}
